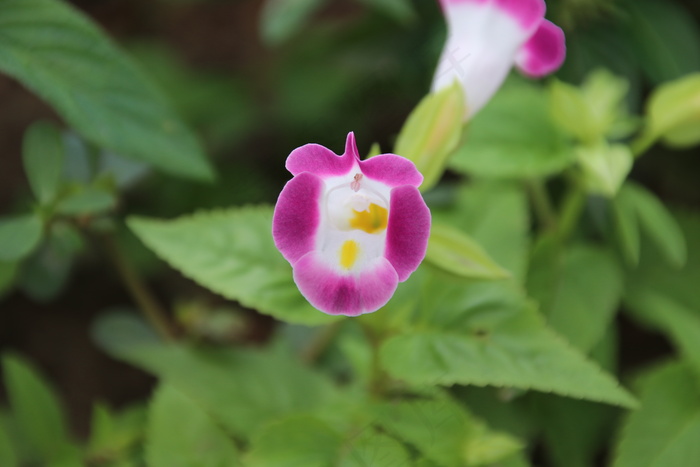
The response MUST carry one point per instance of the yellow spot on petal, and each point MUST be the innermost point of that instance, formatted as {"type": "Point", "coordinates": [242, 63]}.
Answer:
{"type": "Point", "coordinates": [373, 220]}
{"type": "Point", "coordinates": [348, 253]}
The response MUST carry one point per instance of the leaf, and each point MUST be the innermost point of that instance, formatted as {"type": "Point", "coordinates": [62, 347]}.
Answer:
{"type": "Point", "coordinates": [43, 154]}
{"type": "Point", "coordinates": [8, 456]}
{"type": "Point", "coordinates": [8, 273]}
{"type": "Point", "coordinates": [63, 57]}
{"type": "Point", "coordinates": [626, 226]}
{"type": "Point", "coordinates": [371, 447]}
{"type": "Point", "coordinates": [514, 137]}
{"type": "Point", "coordinates": [112, 435]}
{"type": "Point", "coordinates": [495, 215]}
{"type": "Point", "coordinates": [36, 410]}
{"type": "Point", "coordinates": [445, 433]}
{"type": "Point", "coordinates": [484, 334]}
{"type": "Point", "coordinates": [44, 275]}
{"type": "Point", "coordinates": [400, 10]}
{"type": "Point", "coordinates": [198, 442]}
{"type": "Point", "coordinates": [281, 19]}
{"type": "Point", "coordinates": [571, 112]}
{"type": "Point", "coordinates": [296, 441]}
{"type": "Point", "coordinates": [242, 389]}
{"type": "Point", "coordinates": [19, 236]}
{"type": "Point", "coordinates": [578, 291]}
{"type": "Point", "coordinates": [673, 112]}
{"type": "Point", "coordinates": [456, 252]}
{"type": "Point", "coordinates": [86, 200]}
{"type": "Point", "coordinates": [232, 253]}
{"type": "Point", "coordinates": [605, 167]}
{"type": "Point", "coordinates": [664, 432]}
{"type": "Point", "coordinates": [665, 38]}
{"type": "Point", "coordinates": [658, 223]}
{"type": "Point", "coordinates": [432, 132]}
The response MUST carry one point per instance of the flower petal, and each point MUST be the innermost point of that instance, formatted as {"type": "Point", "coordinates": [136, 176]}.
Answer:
{"type": "Point", "coordinates": [484, 37]}
{"type": "Point", "coordinates": [544, 52]}
{"type": "Point", "coordinates": [392, 170]}
{"type": "Point", "coordinates": [322, 161]}
{"type": "Point", "coordinates": [340, 294]}
{"type": "Point", "coordinates": [408, 230]}
{"type": "Point", "coordinates": [297, 216]}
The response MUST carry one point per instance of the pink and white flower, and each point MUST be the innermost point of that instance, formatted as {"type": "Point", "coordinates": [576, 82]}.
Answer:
{"type": "Point", "coordinates": [351, 229]}
{"type": "Point", "coordinates": [487, 37]}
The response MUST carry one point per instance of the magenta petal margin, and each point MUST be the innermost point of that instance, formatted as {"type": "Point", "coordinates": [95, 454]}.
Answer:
{"type": "Point", "coordinates": [351, 229]}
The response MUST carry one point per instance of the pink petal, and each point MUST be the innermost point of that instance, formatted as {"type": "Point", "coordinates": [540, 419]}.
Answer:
{"type": "Point", "coordinates": [392, 170]}
{"type": "Point", "coordinates": [297, 216]}
{"type": "Point", "coordinates": [322, 161]}
{"type": "Point", "coordinates": [544, 52]}
{"type": "Point", "coordinates": [408, 230]}
{"type": "Point", "coordinates": [339, 294]}
{"type": "Point", "coordinates": [528, 13]}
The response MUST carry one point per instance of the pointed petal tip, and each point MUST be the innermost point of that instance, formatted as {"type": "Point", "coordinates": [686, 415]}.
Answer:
{"type": "Point", "coordinates": [351, 146]}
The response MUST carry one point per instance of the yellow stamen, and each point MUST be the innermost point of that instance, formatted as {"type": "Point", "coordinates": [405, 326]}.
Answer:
{"type": "Point", "coordinates": [348, 253]}
{"type": "Point", "coordinates": [373, 220]}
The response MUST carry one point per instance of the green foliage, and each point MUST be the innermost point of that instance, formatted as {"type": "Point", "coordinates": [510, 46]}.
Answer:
{"type": "Point", "coordinates": [578, 290]}
{"type": "Point", "coordinates": [59, 54]}
{"type": "Point", "coordinates": [232, 253]}
{"type": "Point", "coordinates": [516, 121]}
{"type": "Point", "coordinates": [43, 154]}
{"type": "Point", "coordinates": [8, 456]}
{"type": "Point", "coordinates": [281, 19]}
{"type": "Point", "coordinates": [665, 430]}
{"type": "Point", "coordinates": [455, 252]}
{"type": "Point", "coordinates": [673, 112]}
{"type": "Point", "coordinates": [445, 433]}
{"type": "Point", "coordinates": [242, 389]}
{"type": "Point", "coordinates": [181, 434]}
{"type": "Point", "coordinates": [37, 412]}
{"type": "Point", "coordinates": [19, 236]}
{"type": "Point", "coordinates": [486, 334]}
{"type": "Point", "coordinates": [432, 133]}
{"type": "Point", "coordinates": [605, 167]}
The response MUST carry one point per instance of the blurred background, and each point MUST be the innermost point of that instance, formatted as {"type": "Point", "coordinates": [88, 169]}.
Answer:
{"type": "Point", "coordinates": [255, 79]}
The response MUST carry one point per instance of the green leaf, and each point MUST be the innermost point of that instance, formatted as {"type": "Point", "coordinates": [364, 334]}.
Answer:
{"type": "Point", "coordinates": [198, 442]}
{"type": "Point", "coordinates": [43, 154]}
{"type": "Point", "coordinates": [571, 112]}
{"type": "Point", "coordinates": [44, 275]}
{"type": "Point", "coordinates": [296, 441]}
{"type": "Point", "coordinates": [456, 252]}
{"type": "Point", "coordinates": [8, 456]}
{"type": "Point", "coordinates": [281, 19]}
{"type": "Point", "coordinates": [63, 57]}
{"type": "Point", "coordinates": [445, 433]}
{"type": "Point", "coordinates": [626, 227]}
{"type": "Point", "coordinates": [432, 132]}
{"type": "Point", "coordinates": [112, 435]}
{"type": "Point", "coordinates": [664, 432]}
{"type": "Point", "coordinates": [85, 200]}
{"type": "Point", "coordinates": [232, 253]}
{"type": "Point", "coordinates": [19, 236]}
{"type": "Point", "coordinates": [658, 223]}
{"type": "Point", "coordinates": [578, 291]}
{"type": "Point", "coordinates": [484, 334]}
{"type": "Point", "coordinates": [304, 440]}
{"type": "Point", "coordinates": [400, 10]}
{"type": "Point", "coordinates": [673, 112]}
{"type": "Point", "coordinates": [36, 410]}
{"type": "Point", "coordinates": [8, 273]}
{"type": "Point", "coordinates": [605, 167]}
{"type": "Point", "coordinates": [665, 38]}
{"type": "Point", "coordinates": [514, 137]}
{"type": "Point", "coordinates": [242, 389]}
{"type": "Point", "coordinates": [495, 215]}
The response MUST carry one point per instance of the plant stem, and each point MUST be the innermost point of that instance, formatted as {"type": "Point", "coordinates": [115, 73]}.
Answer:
{"type": "Point", "coordinates": [542, 204]}
{"type": "Point", "coordinates": [146, 302]}
{"type": "Point", "coordinates": [571, 210]}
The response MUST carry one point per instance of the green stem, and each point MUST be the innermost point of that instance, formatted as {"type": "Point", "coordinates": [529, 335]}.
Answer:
{"type": "Point", "coordinates": [541, 204]}
{"type": "Point", "coordinates": [146, 302]}
{"type": "Point", "coordinates": [571, 210]}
